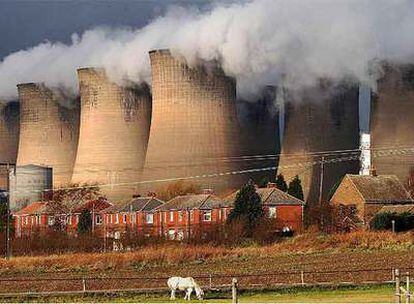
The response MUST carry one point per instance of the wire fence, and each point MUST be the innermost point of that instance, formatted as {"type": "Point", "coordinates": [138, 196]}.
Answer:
{"type": "Point", "coordinates": [209, 281]}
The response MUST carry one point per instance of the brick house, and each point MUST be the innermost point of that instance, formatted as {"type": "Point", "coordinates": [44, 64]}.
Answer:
{"type": "Point", "coordinates": [286, 210]}
{"type": "Point", "coordinates": [191, 214]}
{"type": "Point", "coordinates": [38, 218]}
{"type": "Point", "coordinates": [137, 215]}
{"type": "Point", "coordinates": [367, 194]}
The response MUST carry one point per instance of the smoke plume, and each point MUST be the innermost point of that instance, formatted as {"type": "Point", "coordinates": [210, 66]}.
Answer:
{"type": "Point", "coordinates": [259, 42]}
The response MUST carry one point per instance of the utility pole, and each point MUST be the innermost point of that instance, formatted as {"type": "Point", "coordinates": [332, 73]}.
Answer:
{"type": "Point", "coordinates": [188, 224]}
{"type": "Point", "coordinates": [8, 247]}
{"type": "Point", "coordinates": [321, 179]}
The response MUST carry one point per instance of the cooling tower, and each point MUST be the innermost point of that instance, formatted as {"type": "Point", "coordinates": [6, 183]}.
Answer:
{"type": "Point", "coordinates": [322, 118]}
{"type": "Point", "coordinates": [392, 121]}
{"type": "Point", "coordinates": [259, 121]}
{"type": "Point", "coordinates": [114, 132]}
{"type": "Point", "coordinates": [194, 126]}
{"type": "Point", "coordinates": [49, 124]}
{"type": "Point", "coordinates": [9, 131]}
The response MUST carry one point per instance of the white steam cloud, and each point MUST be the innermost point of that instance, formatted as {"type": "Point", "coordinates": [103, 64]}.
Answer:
{"type": "Point", "coordinates": [258, 42]}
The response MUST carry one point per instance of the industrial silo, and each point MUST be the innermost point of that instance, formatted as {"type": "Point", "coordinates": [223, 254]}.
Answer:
{"type": "Point", "coordinates": [49, 123]}
{"type": "Point", "coordinates": [392, 121]}
{"type": "Point", "coordinates": [114, 130]}
{"type": "Point", "coordinates": [9, 131]}
{"type": "Point", "coordinates": [194, 127]}
{"type": "Point", "coordinates": [318, 121]}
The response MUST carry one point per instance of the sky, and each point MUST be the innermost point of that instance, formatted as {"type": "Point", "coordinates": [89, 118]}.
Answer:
{"type": "Point", "coordinates": [24, 23]}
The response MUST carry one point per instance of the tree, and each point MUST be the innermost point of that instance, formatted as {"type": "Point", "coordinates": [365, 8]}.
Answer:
{"type": "Point", "coordinates": [3, 218]}
{"type": "Point", "coordinates": [281, 183]}
{"type": "Point", "coordinates": [178, 188]}
{"type": "Point", "coordinates": [66, 199]}
{"type": "Point", "coordinates": [248, 208]}
{"type": "Point", "coordinates": [295, 188]}
{"type": "Point", "coordinates": [85, 222]}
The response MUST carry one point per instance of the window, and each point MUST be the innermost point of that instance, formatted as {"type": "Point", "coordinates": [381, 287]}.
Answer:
{"type": "Point", "coordinates": [272, 212]}
{"type": "Point", "coordinates": [207, 216]}
{"type": "Point", "coordinates": [70, 219]}
{"type": "Point", "coordinates": [180, 234]}
{"type": "Point", "coordinates": [180, 216]}
{"type": "Point", "coordinates": [26, 220]}
{"type": "Point", "coordinates": [149, 218]}
{"type": "Point", "coordinates": [171, 216]}
{"type": "Point", "coordinates": [38, 220]}
{"type": "Point", "coordinates": [111, 218]}
{"type": "Point", "coordinates": [124, 218]}
{"type": "Point", "coordinates": [192, 215]}
{"type": "Point", "coordinates": [171, 234]}
{"type": "Point", "coordinates": [116, 219]}
{"type": "Point", "coordinates": [51, 220]}
{"type": "Point", "coordinates": [77, 218]}
{"type": "Point", "coordinates": [98, 219]}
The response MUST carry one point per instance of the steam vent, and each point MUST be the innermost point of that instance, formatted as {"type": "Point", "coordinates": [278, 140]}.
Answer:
{"type": "Point", "coordinates": [194, 126]}
{"type": "Point", "coordinates": [9, 131]}
{"type": "Point", "coordinates": [320, 118]}
{"type": "Point", "coordinates": [392, 121]}
{"type": "Point", "coordinates": [49, 125]}
{"type": "Point", "coordinates": [113, 134]}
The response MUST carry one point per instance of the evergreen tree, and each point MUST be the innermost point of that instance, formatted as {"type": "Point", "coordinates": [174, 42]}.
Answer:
{"type": "Point", "coordinates": [248, 208]}
{"type": "Point", "coordinates": [295, 188]}
{"type": "Point", "coordinates": [281, 183]}
{"type": "Point", "coordinates": [85, 222]}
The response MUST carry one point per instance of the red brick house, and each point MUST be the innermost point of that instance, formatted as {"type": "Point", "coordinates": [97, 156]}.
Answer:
{"type": "Point", "coordinates": [186, 215]}
{"type": "Point", "coordinates": [367, 195]}
{"type": "Point", "coordinates": [286, 210]}
{"type": "Point", "coordinates": [137, 215]}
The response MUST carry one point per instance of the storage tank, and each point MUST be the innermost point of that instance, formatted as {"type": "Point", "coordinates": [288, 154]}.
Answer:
{"type": "Point", "coordinates": [9, 131]}
{"type": "Point", "coordinates": [323, 118]}
{"type": "Point", "coordinates": [392, 121]}
{"type": "Point", "coordinates": [194, 128]}
{"type": "Point", "coordinates": [49, 123]}
{"type": "Point", "coordinates": [114, 132]}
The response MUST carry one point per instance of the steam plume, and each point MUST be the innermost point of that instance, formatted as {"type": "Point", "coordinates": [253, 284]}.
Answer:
{"type": "Point", "coordinates": [258, 42]}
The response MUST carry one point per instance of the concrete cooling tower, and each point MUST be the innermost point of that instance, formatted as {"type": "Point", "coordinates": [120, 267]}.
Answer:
{"type": "Point", "coordinates": [114, 132]}
{"type": "Point", "coordinates": [49, 124]}
{"type": "Point", "coordinates": [320, 119]}
{"type": "Point", "coordinates": [9, 131]}
{"type": "Point", "coordinates": [259, 121]}
{"type": "Point", "coordinates": [194, 126]}
{"type": "Point", "coordinates": [392, 121]}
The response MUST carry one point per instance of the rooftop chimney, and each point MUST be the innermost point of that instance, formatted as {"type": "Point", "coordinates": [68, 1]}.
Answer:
{"type": "Point", "coordinates": [208, 191]}
{"type": "Point", "coordinates": [271, 185]}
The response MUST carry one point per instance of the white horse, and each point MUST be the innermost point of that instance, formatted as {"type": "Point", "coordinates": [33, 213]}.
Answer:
{"type": "Point", "coordinates": [184, 284]}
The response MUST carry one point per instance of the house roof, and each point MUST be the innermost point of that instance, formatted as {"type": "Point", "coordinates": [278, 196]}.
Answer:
{"type": "Point", "coordinates": [194, 201]}
{"type": "Point", "coordinates": [33, 208]}
{"type": "Point", "coordinates": [93, 205]}
{"type": "Point", "coordinates": [271, 196]}
{"type": "Point", "coordinates": [382, 188]}
{"type": "Point", "coordinates": [136, 204]}
{"type": "Point", "coordinates": [397, 208]}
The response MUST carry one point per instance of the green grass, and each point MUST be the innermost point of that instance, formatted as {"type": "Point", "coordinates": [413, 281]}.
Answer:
{"type": "Point", "coordinates": [368, 294]}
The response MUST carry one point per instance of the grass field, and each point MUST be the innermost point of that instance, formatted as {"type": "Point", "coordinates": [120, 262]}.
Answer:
{"type": "Point", "coordinates": [369, 294]}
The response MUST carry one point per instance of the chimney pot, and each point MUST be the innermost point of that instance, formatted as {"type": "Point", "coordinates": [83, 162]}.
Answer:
{"type": "Point", "coordinates": [271, 185]}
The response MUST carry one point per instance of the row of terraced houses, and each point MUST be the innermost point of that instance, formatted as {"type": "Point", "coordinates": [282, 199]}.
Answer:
{"type": "Point", "coordinates": [150, 216]}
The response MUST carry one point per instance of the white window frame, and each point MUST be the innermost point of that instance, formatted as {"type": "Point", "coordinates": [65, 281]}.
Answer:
{"type": "Point", "coordinates": [191, 215]}
{"type": "Point", "coordinates": [98, 219]}
{"type": "Point", "coordinates": [272, 212]}
{"type": "Point", "coordinates": [26, 220]}
{"type": "Point", "coordinates": [207, 215]}
{"type": "Point", "coordinates": [124, 218]}
{"type": "Point", "coordinates": [171, 234]}
{"type": "Point", "coordinates": [116, 218]}
{"type": "Point", "coordinates": [51, 220]}
{"type": "Point", "coordinates": [149, 218]}
{"type": "Point", "coordinates": [171, 216]}
{"type": "Point", "coordinates": [180, 216]}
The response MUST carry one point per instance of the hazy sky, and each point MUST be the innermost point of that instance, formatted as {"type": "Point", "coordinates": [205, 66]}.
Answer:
{"type": "Point", "coordinates": [25, 23]}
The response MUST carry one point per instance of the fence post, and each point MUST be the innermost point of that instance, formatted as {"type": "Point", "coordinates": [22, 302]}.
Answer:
{"type": "Point", "coordinates": [84, 285]}
{"type": "Point", "coordinates": [408, 294]}
{"type": "Point", "coordinates": [210, 281]}
{"type": "Point", "coordinates": [234, 291]}
{"type": "Point", "coordinates": [392, 275]}
{"type": "Point", "coordinates": [302, 278]}
{"type": "Point", "coordinates": [397, 286]}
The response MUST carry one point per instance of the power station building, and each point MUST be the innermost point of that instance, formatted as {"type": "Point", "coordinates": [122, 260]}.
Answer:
{"type": "Point", "coordinates": [9, 131]}
{"type": "Point", "coordinates": [114, 130]}
{"type": "Point", "coordinates": [194, 127]}
{"type": "Point", "coordinates": [392, 121]}
{"type": "Point", "coordinates": [49, 124]}
{"type": "Point", "coordinates": [322, 118]}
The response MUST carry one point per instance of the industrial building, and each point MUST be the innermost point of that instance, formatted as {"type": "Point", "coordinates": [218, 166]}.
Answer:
{"type": "Point", "coordinates": [113, 136]}
{"type": "Point", "coordinates": [49, 126]}
{"type": "Point", "coordinates": [392, 121]}
{"type": "Point", "coordinates": [321, 118]}
{"type": "Point", "coordinates": [194, 127]}
{"type": "Point", "coordinates": [9, 131]}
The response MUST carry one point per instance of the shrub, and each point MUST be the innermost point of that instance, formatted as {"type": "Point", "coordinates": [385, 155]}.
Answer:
{"type": "Point", "coordinates": [383, 221]}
